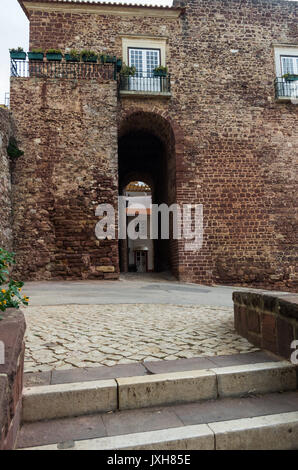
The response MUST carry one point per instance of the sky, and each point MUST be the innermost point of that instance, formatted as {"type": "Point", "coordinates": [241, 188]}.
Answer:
{"type": "Point", "coordinates": [14, 33]}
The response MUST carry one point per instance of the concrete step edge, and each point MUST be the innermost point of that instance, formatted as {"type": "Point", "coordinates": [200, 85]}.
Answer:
{"type": "Point", "coordinates": [270, 432]}
{"type": "Point", "coordinates": [65, 400]}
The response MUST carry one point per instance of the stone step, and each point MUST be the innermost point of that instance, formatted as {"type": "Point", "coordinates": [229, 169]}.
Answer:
{"type": "Point", "coordinates": [64, 431]}
{"type": "Point", "coordinates": [267, 421]}
{"type": "Point", "coordinates": [82, 398]}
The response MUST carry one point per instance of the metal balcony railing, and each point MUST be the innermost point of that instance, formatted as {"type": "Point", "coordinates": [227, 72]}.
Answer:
{"type": "Point", "coordinates": [68, 70]}
{"type": "Point", "coordinates": [146, 83]}
{"type": "Point", "coordinates": [285, 88]}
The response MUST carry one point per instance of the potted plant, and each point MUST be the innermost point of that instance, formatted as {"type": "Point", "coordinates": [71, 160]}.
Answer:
{"type": "Point", "coordinates": [108, 59]}
{"type": "Point", "coordinates": [36, 54]}
{"type": "Point", "coordinates": [128, 71]}
{"type": "Point", "coordinates": [89, 56]}
{"type": "Point", "coordinates": [54, 54]}
{"type": "Point", "coordinates": [17, 54]}
{"type": "Point", "coordinates": [72, 56]}
{"type": "Point", "coordinates": [160, 71]}
{"type": "Point", "coordinates": [290, 77]}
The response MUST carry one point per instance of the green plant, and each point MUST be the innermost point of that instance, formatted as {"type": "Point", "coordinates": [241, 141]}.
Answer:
{"type": "Point", "coordinates": [87, 54]}
{"type": "Point", "coordinates": [10, 290]}
{"type": "Point", "coordinates": [74, 53]}
{"type": "Point", "coordinates": [19, 49]}
{"type": "Point", "coordinates": [13, 150]}
{"type": "Point", "coordinates": [54, 51]}
{"type": "Point", "coordinates": [37, 51]}
{"type": "Point", "coordinates": [161, 68]}
{"type": "Point", "coordinates": [108, 59]}
{"type": "Point", "coordinates": [126, 70]}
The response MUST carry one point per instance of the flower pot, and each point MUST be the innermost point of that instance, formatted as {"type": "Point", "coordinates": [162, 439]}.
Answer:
{"type": "Point", "coordinates": [291, 78]}
{"type": "Point", "coordinates": [159, 73]}
{"type": "Point", "coordinates": [71, 58]}
{"type": "Point", "coordinates": [18, 55]}
{"type": "Point", "coordinates": [89, 59]}
{"type": "Point", "coordinates": [54, 56]}
{"type": "Point", "coordinates": [108, 59]}
{"type": "Point", "coordinates": [36, 56]}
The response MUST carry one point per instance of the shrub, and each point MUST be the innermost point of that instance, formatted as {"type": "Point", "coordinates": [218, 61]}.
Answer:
{"type": "Point", "coordinates": [13, 150]}
{"type": "Point", "coordinates": [10, 290]}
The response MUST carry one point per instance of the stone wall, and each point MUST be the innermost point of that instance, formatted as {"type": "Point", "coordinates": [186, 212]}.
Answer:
{"type": "Point", "coordinates": [267, 321]}
{"type": "Point", "coordinates": [5, 180]}
{"type": "Point", "coordinates": [12, 331]}
{"type": "Point", "coordinates": [69, 136]}
{"type": "Point", "coordinates": [235, 145]}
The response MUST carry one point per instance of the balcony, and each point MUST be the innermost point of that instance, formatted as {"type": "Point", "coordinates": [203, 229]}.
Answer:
{"type": "Point", "coordinates": [145, 84]}
{"type": "Point", "coordinates": [286, 89]}
{"type": "Point", "coordinates": [62, 70]}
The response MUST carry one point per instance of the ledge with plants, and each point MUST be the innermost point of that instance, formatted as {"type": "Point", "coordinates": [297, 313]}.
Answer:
{"type": "Point", "coordinates": [74, 55]}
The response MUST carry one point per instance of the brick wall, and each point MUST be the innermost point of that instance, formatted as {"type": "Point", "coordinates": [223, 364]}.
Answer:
{"type": "Point", "coordinates": [12, 331]}
{"type": "Point", "coordinates": [268, 322]}
{"type": "Point", "coordinates": [235, 146]}
{"type": "Point", "coordinates": [5, 180]}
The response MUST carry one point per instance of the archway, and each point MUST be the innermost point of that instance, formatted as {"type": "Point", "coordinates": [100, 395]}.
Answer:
{"type": "Point", "coordinates": [146, 153]}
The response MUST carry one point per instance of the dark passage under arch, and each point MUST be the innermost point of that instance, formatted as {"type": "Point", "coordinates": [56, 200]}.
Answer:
{"type": "Point", "coordinates": [146, 152]}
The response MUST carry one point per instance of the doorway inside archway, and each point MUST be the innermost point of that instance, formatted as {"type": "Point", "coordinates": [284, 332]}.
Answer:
{"type": "Point", "coordinates": [140, 251]}
{"type": "Point", "coordinates": [146, 159]}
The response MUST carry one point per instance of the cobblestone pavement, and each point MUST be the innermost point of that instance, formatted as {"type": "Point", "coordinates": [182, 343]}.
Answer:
{"type": "Point", "coordinates": [67, 336]}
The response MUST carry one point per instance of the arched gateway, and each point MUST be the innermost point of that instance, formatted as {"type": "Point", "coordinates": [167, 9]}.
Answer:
{"type": "Point", "coordinates": [147, 152]}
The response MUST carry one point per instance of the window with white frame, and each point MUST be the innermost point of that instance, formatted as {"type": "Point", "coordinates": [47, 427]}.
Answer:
{"type": "Point", "coordinates": [289, 65]}
{"type": "Point", "coordinates": [286, 67]}
{"type": "Point", "coordinates": [144, 60]}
